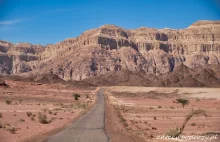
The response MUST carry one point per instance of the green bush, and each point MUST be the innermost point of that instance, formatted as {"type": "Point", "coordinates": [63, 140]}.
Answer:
{"type": "Point", "coordinates": [76, 96]}
{"type": "Point", "coordinates": [8, 102]}
{"type": "Point", "coordinates": [183, 102]}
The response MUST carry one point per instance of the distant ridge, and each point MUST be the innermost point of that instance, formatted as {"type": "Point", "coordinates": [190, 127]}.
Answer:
{"type": "Point", "coordinates": [143, 56]}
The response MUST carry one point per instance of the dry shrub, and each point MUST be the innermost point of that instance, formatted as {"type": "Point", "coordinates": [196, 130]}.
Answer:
{"type": "Point", "coordinates": [172, 107]}
{"type": "Point", "coordinates": [43, 118]}
{"type": "Point", "coordinates": [45, 109]}
{"type": "Point", "coordinates": [29, 114]}
{"type": "Point", "coordinates": [1, 125]}
{"type": "Point", "coordinates": [8, 102]}
{"type": "Point", "coordinates": [12, 130]}
{"type": "Point", "coordinates": [22, 120]}
{"type": "Point", "coordinates": [50, 112]}
{"type": "Point", "coordinates": [178, 131]}
{"type": "Point", "coordinates": [32, 118]}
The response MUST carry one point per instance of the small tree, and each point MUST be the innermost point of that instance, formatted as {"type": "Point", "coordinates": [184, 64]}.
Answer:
{"type": "Point", "coordinates": [76, 96]}
{"type": "Point", "coordinates": [183, 102]}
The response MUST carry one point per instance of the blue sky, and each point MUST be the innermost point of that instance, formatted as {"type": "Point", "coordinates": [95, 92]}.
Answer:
{"type": "Point", "coordinates": [50, 21]}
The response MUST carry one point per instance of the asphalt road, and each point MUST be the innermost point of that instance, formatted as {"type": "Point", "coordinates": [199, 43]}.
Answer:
{"type": "Point", "coordinates": [88, 128]}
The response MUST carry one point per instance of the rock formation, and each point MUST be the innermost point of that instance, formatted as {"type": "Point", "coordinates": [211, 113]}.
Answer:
{"type": "Point", "coordinates": [110, 49]}
{"type": "Point", "coordinates": [17, 58]}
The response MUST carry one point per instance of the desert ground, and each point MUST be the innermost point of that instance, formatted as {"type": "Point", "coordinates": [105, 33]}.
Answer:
{"type": "Point", "coordinates": [30, 111]}
{"type": "Point", "coordinates": [33, 111]}
{"type": "Point", "coordinates": [144, 113]}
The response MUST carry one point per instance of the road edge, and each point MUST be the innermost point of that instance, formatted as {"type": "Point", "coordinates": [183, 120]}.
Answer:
{"type": "Point", "coordinates": [114, 128]}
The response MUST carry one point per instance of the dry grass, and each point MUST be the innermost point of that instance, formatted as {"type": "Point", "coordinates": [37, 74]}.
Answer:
{"type": "Point", "coordinates": [12, 130]}
{"type": "Point", "coordinates": [29, 114]}
{"type": "Point", "coordinates": [22, 120]}
{"type": "Point", "coordinates": [122, 119]}
{"type": "Point", "coordinates": [50, 112]}
{"type": "Point", "coordinates": [194, 113]}
{"type": "Point", "coordinates": [43, 118]}
{"type": "Point", "coordinates": [172, 107]}
{"type": "Point", "coordinates": [9, 128]}
{"type": "Point", "coordinates": [45, 109]}
{"type": "Point", "coordinates": [173, 133]}
{"type": "Point", "coordinates": [32, 118]}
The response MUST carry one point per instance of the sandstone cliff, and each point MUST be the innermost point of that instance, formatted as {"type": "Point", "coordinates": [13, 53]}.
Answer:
{"type": "Point", "coordinates": [17, 58]}
{"type": "Point", "coordinates": [111, 48]}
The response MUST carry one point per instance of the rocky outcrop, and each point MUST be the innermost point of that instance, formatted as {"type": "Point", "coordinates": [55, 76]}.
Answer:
{"type": "Point", "coordinates": [18, 58]}
{"type": "Point", "coordinates": [111, 48]}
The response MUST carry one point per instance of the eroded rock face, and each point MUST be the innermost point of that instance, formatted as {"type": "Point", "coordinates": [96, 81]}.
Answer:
{"type": "Point", "coordinates": [111, 48]}
{"type": "Point", "coordinates": [18, 58]}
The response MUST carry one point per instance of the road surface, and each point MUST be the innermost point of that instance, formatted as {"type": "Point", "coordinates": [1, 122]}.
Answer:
{"type": "Point", "coordinates": [88, 128]}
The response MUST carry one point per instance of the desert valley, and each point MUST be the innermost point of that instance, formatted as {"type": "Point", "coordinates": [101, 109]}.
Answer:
{"type": "Point", "coordinates": [154, 82]}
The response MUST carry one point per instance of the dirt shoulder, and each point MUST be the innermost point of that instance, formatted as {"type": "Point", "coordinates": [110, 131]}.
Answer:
{"type": "Point", "coordinates": [114, 128]}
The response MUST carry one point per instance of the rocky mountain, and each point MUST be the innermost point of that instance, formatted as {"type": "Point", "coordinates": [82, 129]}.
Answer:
{"type": "Point", "coordinates": [18, 58]}
{"type": "Point", "coordinates": [182, 76]}
{"type": "Point", "coordinates": [109, 48]}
